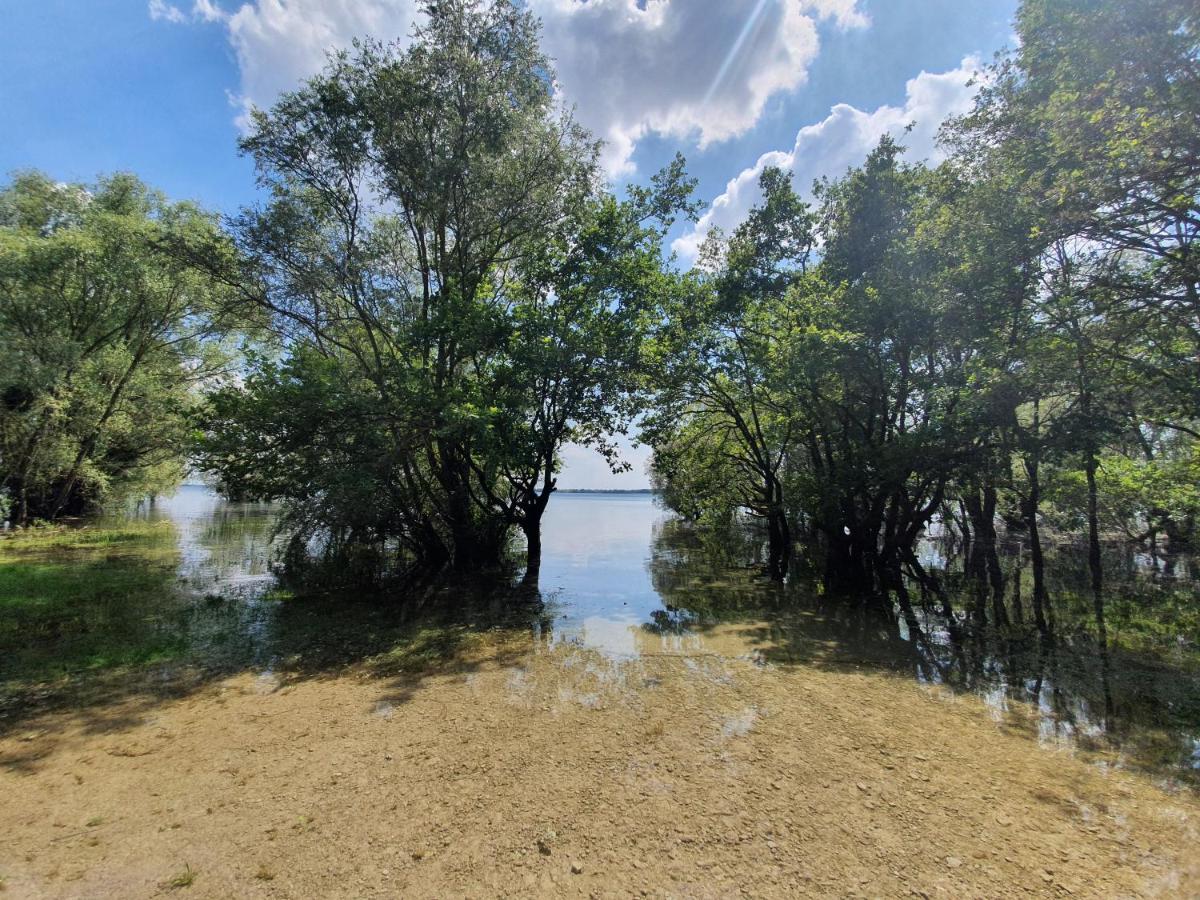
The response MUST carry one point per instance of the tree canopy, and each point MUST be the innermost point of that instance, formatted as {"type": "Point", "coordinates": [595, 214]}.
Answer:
{"type": "Point", "coordinates": [106, 336]}
{"type": "Point", "coordinates": [444, 293]}
{"type": "Point", "coordinates": [457, 294]}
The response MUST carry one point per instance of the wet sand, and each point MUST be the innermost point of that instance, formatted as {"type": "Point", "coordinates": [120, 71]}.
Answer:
{"type": "Point", "coordinates": [521, 769]}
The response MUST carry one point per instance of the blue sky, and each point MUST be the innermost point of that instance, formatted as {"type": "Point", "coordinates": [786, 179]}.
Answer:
{"type": "Point", "coordinates": [160, 87]}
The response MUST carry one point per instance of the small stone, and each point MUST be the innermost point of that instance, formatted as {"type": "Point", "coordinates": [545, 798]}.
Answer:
{"type": "Point", "coordinates": [953, 862]}
{"type": "Point", "coordinates": [576, 869]}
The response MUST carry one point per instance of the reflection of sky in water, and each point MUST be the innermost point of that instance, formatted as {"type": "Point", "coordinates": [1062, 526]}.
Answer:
{"type": "Point", "coordinates": [597, 580]}
{"type": "Point", "coordinates": [225, 547]}
{"type": "Point", "coordinates": [594, 552]}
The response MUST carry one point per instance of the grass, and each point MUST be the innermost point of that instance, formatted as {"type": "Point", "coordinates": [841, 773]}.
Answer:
{"type": "Point", "coordinates": [88, 605]}
{"type": "Point", "coordinates": [183, 879]}
{"type": "Point", "coordinates": [74, 600]}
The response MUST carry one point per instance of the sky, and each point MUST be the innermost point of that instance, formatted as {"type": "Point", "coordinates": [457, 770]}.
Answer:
{"type": "Point", "coordinates": [161, 88]}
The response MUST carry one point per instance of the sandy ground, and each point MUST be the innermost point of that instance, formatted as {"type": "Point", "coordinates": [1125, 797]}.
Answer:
{"type": "Point", "coordinates": [525, 770]}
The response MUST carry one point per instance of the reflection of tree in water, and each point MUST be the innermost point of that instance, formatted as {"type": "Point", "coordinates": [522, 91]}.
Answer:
{"type": "Point", "coordinates": [706, 579]}
{"type": "Point", "coordinates": [1135, 685]}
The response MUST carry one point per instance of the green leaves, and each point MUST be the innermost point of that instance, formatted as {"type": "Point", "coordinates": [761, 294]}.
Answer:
{"type": "Point", "coordinates": [438, 238]}
{"type": "Point", "coordinates": [106, 328]}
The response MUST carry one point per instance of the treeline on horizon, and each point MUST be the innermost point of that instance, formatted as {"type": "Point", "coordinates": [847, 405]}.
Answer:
{"type": "Point", "coordinates": [439, 291]}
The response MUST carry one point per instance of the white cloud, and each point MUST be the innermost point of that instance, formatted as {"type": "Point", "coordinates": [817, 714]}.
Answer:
{"type": "Point", "coordinates": [202, 11]}
{"type": "Point", "coordinates": [161, 11]}
{"type": "Point", "coordinates": [279, 43]}
{"type": "Point", "coordinates": [208, 11]}
{"type": "Point", "coordinates": [701, 69]}
{"type": "Point", "coordinates": [680, 68]}
{"type": "Point", "coordinates": [843, 139]}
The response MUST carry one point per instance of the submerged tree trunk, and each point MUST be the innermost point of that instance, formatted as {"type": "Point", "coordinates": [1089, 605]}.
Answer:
{"type": "Point", "coordinates": [983, 564]}
{"type": "Point", "coordinates": [531, 523]}
{"type": "Point", "coordinates": [533, 554]}
{"type": "Point", "coordinates": [779, 532]}
{"type": "Point", "coordinates": [1017, 609]}
{"type": "Point", "coordinates": [779, 544]}
{"type": "Point", "coordinates": [1095, 563]}
{"type": "Point", "coordinates": [1031, 508]}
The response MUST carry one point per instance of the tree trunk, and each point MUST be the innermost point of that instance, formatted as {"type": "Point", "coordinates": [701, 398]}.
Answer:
{"type": "Point", "coordinates": [779, 533]}
{"type": "Point", "coordinates": [1094, 557]}
{"type": "Point", "coordinates": [533, 554]}
{"type": "Point", "coordinates": [1018, 610]}
{"type": "Point", "coordinates": [1031, 508]}
{"type": "Point", "coordinates": [88, 445]}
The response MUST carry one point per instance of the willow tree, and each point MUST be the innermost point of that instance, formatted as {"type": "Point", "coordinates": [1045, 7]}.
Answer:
{"type": "Point", "coordinates": [723, 429]}
{"type": "Point", "coordinates": [438, 236]}
{"type": "Point", "coordinates": [106, 335]}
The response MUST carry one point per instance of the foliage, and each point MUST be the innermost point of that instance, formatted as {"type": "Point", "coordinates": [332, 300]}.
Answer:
{"type": "Point", "coordinates": [453, 295]}
{"type": "Point", "coordinates": [104, 335]}
{"type": "Point", "coordinates": [457, 295]}
{"type": "Point", "coordinates": [1010, 336]}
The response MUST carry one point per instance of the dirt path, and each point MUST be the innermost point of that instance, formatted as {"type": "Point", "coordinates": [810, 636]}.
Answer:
{"type": "Point", "coordinates": [538, 771]}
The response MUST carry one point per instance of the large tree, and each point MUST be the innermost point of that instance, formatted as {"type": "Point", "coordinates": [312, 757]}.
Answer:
{"type": "Point", "coordinates": [106, 333]}
{"type": "Point", "coordinates": [722, 429]}
{"type": "Point", "coordinates": [438, 236]}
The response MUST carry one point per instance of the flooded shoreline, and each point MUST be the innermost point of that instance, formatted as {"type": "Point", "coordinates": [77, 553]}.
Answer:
{"type": "Point", "coordinates": [519, 767]}
{"type": "Point", "coordinates": [664, 722]}
{"type": "Point", "coordinates": [622, 578]}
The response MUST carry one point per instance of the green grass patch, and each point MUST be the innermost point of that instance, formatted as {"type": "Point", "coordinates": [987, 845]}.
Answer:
{"type": "Point", "coordinates": [74, 600]}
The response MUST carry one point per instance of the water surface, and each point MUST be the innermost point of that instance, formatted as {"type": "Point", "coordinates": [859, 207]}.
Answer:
{"type": "Point", "coordinates": [621, 576]}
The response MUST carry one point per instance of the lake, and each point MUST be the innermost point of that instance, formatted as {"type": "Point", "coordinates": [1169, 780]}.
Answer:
{"type": "Point", "coordinates": [662, 721]}
{"type": "Point", "coordinates": [622, 577]}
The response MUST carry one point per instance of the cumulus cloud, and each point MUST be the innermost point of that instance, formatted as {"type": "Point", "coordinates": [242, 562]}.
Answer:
{"type": "Point", "coordinates": [202, 11]}
{"type": "Point", "coordinates": [278, 43]}
{"type": "Point", "coordinates": [680, 68]}
{"type": "Point", "coordinates": [701, 69]}
{"type": "Point", "coordinates": [843, 139]}
{"type": "Point", "coordinates": [208, 11]}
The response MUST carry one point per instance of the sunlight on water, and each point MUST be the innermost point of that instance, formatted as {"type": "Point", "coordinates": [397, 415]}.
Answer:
{"type": "Point", "coordinates": [622, 581]}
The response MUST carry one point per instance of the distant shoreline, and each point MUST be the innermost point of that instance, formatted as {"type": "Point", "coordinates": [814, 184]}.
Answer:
{"type": "Point", "coordinates": [201, 484]}
{"type": "Point", "coordinates": [604, 491]}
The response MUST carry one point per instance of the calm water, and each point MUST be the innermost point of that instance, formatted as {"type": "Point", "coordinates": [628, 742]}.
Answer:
{"type": "Point", "coordinates": [621, 576]}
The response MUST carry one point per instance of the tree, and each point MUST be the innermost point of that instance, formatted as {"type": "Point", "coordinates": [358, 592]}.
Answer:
{"type": "Point", "coordinates": [438, 237]}
{"type": "Point", "coordinates": [718, 355]}
{"type": "Point", "coordinates": [105, 335]}
{"type": "Point", "coordinates": [1092, 121]}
